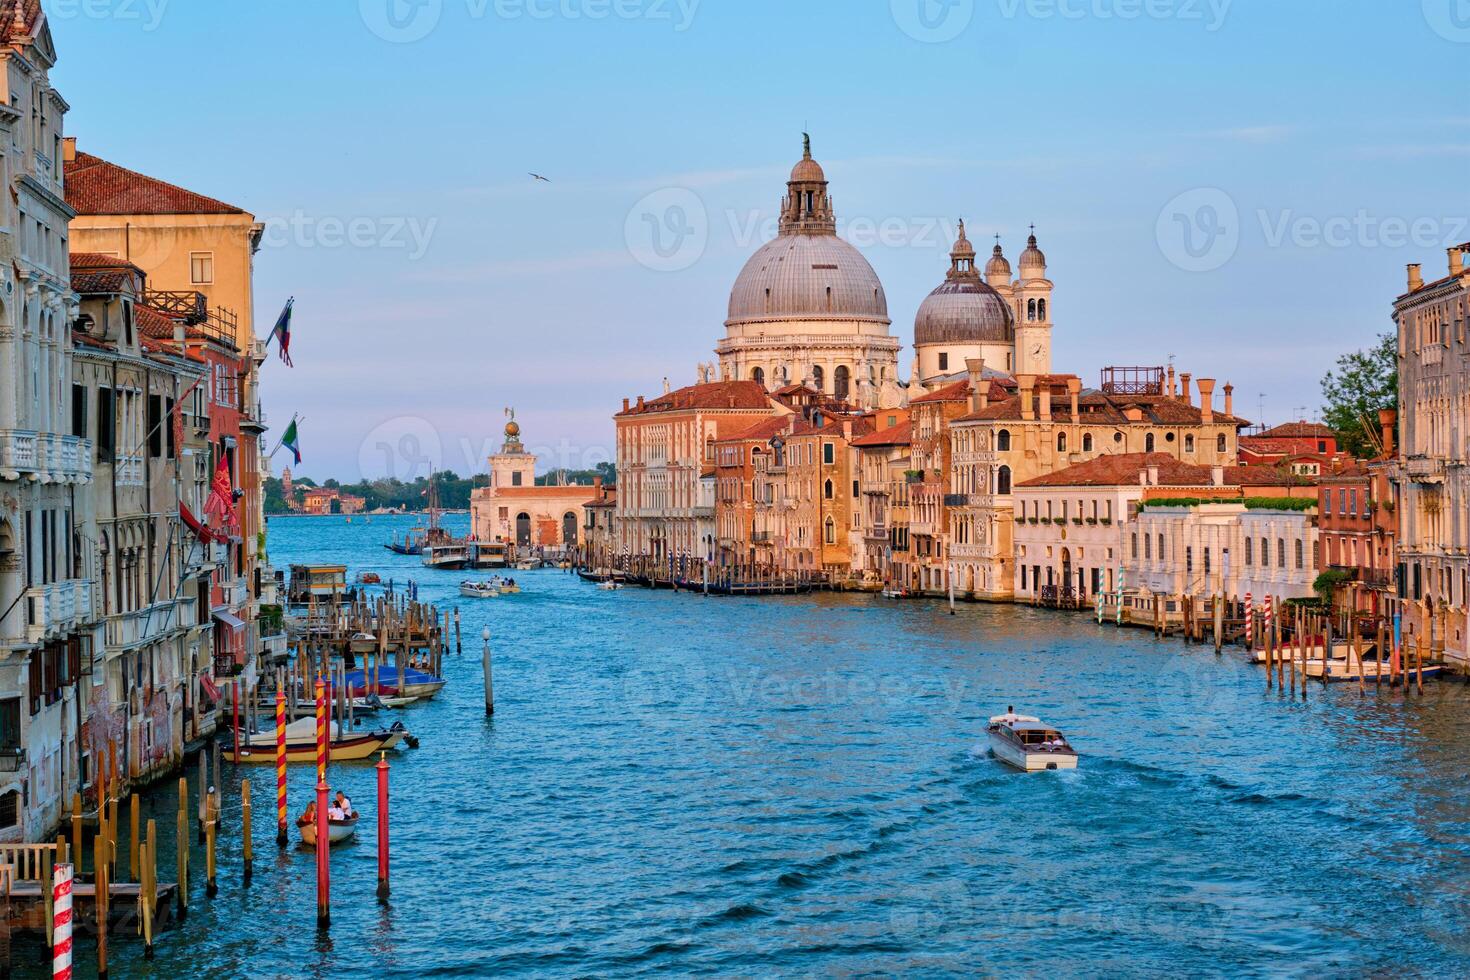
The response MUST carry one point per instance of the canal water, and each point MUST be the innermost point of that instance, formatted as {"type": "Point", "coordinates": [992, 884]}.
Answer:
{"type": "Point", "coordinates": [676, 784]}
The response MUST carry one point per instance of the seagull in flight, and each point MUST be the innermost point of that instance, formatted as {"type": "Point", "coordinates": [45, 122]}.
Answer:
{"type": "Point", "coordinates": [545, 180]}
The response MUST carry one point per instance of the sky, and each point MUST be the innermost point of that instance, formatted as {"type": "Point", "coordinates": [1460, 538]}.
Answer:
{"type": "Point", "coordinates": [1236, 185]}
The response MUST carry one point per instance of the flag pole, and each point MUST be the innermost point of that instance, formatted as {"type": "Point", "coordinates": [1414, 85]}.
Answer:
{"type": "Point", "coordinates": [295, 420]}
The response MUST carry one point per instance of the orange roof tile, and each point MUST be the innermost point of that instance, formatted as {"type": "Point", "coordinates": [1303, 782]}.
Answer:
{"type": "Point", "coordinates": [896, 435]}
{"type": "Point", "coordinates": [717, 395]}
{"type": "Point", "coordinates": [95, 186]}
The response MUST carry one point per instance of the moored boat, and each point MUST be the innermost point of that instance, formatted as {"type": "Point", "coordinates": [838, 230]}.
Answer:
{"type": "Point", "coordinates": [1370, 670]}
{"type": "Point", "coordinates": [301, 743]}
{"type": "Point", "coordinates": [416, 683]}
{"type": "Point", "coordinates": [1029, 744]}
{"type": "Point", "coordinates": [338, 831]}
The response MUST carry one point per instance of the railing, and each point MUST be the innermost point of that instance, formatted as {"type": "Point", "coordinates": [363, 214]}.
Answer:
{"type": "Point", "coordinates": [957, 500]}
{"type": "Point", "coordinates": [761, 537]}
{"type": "Point", "coordinates": [191, 307]}
{"type": "Point", "coordinates": [127, 630]}
{"type": "Point", "coordinates": [60, 457]}
{"type": "Point", "coordinates": [56, 607]}
{"type": "Point", "coordinates": [1422, 467]}
{"type": "Point", "coordinates": [128, 471]}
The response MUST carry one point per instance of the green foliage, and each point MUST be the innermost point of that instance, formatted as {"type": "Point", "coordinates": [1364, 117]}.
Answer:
{"type": "Point", "coordinates": [1299, 504]}
{"type": "Point", "coordinates": [1365, 382]}
{"type": "Point", "coordinates": [1329, 582]}
{"type": "Point", "coordinates": [454, 492]}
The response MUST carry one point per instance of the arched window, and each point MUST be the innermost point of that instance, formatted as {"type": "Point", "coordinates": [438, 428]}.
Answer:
{"type": "Point", "coordinates": [1061, 442]}
{"type": "Point", "coordinates": [1189, 444]}
{"type": "Point", "coordinates": [827, 490]}
{"type": "Point", "coordinates": [1041, 310]}
{"type": "Point", "coordinates": [1003, 441]}
{"type": "Point", "coordinates": [1301, 558]}
{"type": "Point", "coordinates": [1031, 310]}
{"type": "Point", "coordinates": [1280, 552]}
{"type": "Point", "coordinates": [1161, 547]}
{"type": "Point", "coordinates": [1003, 481]}
{"type": "Point", "coordinates": [1220, 444]}
{"type": "Point", "coordinates": [758, 376]}
{"type": "Point", "coordinates": [831, 531]}
{"type": "Point", "coordinates": [1148, 443]}
{"type": "Point", "coordinates": [1248, 550]}
{"type": "Point", "coordinates": [819, 378]}
{"type": "Point", "coordinates": [1087, 443]}
{"type": "Point", "coordinates": [841, 381]}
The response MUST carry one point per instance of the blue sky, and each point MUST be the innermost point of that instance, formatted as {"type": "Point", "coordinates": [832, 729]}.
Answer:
{"type": "Point", "coordinates": [1238, 184]}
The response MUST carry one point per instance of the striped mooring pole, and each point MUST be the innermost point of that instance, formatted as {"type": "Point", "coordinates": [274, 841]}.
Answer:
{"type": "Point", "coordinates": [321, 730]}
{"type": "Point", "coordinates": [281, 838]}
{"type": "Point", "coordinates": [61, 918]}
{"type": "Point", "coordinates": [1270, 616]}
{"type": "Point", "coordinates": [1250, 621]}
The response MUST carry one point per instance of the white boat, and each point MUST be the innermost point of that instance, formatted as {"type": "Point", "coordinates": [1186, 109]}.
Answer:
{"type": "Point", "coordinates": [479, 590]}
{"type": "Point", "coordinates": [1029, 744]}
{"type": "Point", "coordinates": [338, 831]}
{"type": "Point", "coordinates": [1371, 671]}
{"type": "Point", "coordinates": [527, 565]}
{"type": "Point", "coordinates": [610, 586]}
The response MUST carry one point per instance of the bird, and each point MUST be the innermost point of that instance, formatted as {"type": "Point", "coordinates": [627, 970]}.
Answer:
{"type": "Point", "coordinates": [545, 180]}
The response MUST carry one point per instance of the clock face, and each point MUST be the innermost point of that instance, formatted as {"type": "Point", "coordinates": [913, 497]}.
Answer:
{"type": "Point", "coordinates": [1036, 350]}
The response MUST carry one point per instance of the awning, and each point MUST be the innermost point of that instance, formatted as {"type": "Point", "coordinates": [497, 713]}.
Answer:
{"type": "Point", "coordinates": [235, 623]}
{"type": "Point", "coordinates": [195, 524]}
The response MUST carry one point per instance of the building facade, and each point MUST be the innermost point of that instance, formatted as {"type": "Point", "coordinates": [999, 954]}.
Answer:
{"type": "Point", "coordinates": [514, 510]}
{"type": "Point", "coordinates": [1433, 476]}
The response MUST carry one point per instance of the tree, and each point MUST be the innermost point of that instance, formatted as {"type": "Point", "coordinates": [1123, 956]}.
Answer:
{"type": "Point", "coordinates": [1364, 383]}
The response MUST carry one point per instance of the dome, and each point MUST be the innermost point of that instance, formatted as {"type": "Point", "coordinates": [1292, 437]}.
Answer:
{"type": "Point", "coordinates": [964, 311]}
{"type": "Point", "coordinates": [998, 269]}
{"type": "Point", "coordinates": [808, 171]}
{"type": "Point", "coordinates": [799, 276]}
{"type": "Point", "coordinates": [1033, 260]}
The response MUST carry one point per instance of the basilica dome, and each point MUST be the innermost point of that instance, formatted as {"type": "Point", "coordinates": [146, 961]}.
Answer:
{"type": "Point", "coordinates": [808, 276]}
{"type": "Point", "coordinates": [964, 309]}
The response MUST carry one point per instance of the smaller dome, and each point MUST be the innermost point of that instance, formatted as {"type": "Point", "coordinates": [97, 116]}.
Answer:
{"type": "Point", "coordinates": [998, 269]}
{"type": "Point", "coordinates": [1033, 259]}
{"type": "Point", "coordinates": [512, 430]}
{"type": "Point", "coordinates": [964, 311]}
{"type": "Point", "coordinates": [807, 170]}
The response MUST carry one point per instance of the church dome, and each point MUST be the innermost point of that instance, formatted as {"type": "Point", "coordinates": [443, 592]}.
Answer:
{"type": "Point", "coordinates": [808, 276]}
{"type": "Point", "coordinates": [998, 269]}
{"type": "Point", "coordinates": [964, 311]}
{"type": "Point", "coordinates": [1033, 261]}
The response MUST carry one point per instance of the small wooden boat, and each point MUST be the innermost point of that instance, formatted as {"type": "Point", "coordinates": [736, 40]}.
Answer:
{"type": "Point", "coordinates": [1029, 744]}
{"type": "Point", "coordinates": [301, 743]}
{"type": "Point", "coordinates": [510, 588]}
{"type": "Point", "coordinates": [338, 831]}
{"type": "Point", "coordinates": [1370, 671]}
{"type": "Point", "coordinates": [416, 683]}
{"type": "Point", "coordinates": [895, 593]}
{"type": "Point", "coordinates": [479, 590]}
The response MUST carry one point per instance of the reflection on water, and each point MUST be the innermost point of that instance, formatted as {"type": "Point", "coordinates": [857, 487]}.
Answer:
{"type": "Point", "coordinates": [676, 784]}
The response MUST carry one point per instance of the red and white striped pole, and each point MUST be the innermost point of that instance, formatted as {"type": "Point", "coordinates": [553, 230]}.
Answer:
{"type": "Point", "coordinates": [321, 730]}
{"type": "Point", "coordinates": [1270, 616]}
{"type": "Point", "coordinates": [61, 919]}
{"type": "Point", "coordinates": [280, 767]}
{"type": "Point", "coordinates": [1250, 621]}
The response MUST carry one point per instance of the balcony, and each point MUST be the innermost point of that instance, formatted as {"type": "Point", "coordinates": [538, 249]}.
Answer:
{"type": "Point", "coordinates": [877, 532]}
{"type": "Point", "coordinates": [1425, 469]}
{"type": "Point", "coordinates": [760, 537]}
{"type": "Point", "coordinates": [56, 609]}
{"type": "Point", "coordinates": [128, 630]}
{"type": "Point", "coordinates": [44, 456]}
{"type": "Point", "coordinates": [957, 500]}
{"type": "Point", "coordinates": [128, 471]}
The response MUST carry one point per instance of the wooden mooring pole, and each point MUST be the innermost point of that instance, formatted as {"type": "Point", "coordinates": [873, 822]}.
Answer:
{"type": "Point", "coordinates": [382, 768]}
{"type": "Point", "coordinates": [246, 843]}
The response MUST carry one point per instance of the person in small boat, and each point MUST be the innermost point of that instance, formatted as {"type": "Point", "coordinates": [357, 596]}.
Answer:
{"type": "Point", "coordinates": [334, 812]}
{"type": "Point", "coordinates": [344, 803]}
{"type": "Point", "coordinates": [309, 817]}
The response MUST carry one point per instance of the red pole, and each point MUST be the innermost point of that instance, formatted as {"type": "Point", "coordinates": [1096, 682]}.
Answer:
{"type": "Point", "coordinates": [235, 707]}
{"type": "Point", "coordinates": [323, 865]}
{"type": "Point", "coordinates": [382, 768]}
{"type": "Point", "coordinates": [280, 767]}
{"type": "Point", "coordinates": [321, 731]}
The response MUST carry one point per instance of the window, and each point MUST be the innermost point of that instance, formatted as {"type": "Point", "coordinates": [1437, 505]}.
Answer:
{"type": "Point", "coordinates": [10, 724]}
{"type": "Point", "coordinates": [1189, 561]}
{"type": "Point", "coordinates": [758, 376]}
{"type": "Point", "coordinates": [1220, 446]}
{"type": "Point", "coordinates": [944, 362]}
{"type": "Point", "coordinates": [1061, 442]}
{"type": "Point", "coordinates": [1207, 562]}
{"type": "Point", "coordinates": [201, 268]}
{"type": "Point", "coordinates": [106, 424]}
{"type": "Point", "coordinates": [1148, 443]}
{"type": "Point", "coordinates": [1148, 548]}
{"type": "Point", "coordinates": [854, 489]}
{"type": "Point", "coordinates": [10, 809]}
{"type": "Point", "coordinates": [819, 379]}
{"type": "Point", "coordinates": [1087, 443]}
{"type": "Point", "coordinates": [841, 382]}
{"type": "Point", "coordinates": [830, 532]}
{"type": "Point", "coordinates": [1003, 481]}
{"type": "Point", "coordinates": [1161, 547]}
{"type": "Point", "coordinates": [1280, 552]}
{"type": "Point", "coordinates": [1003, 441]}
{"type": "Point", "coordinates": [515, 479]}
{"type": "Point", "coordinates": [79, 411]}
{"type": "Point", "coordinates": [155, 426]}
{"type": "Point", "coordinates": [1189, 444]}
{"type": "Point", "coordinates": [1301, 558]}
{"type": "Point", "coordinates": [1135, 546]}
{"type": "Point", "coordinates": [1248, 550]}
{"type": "Point", "coordinates": [828, 453]}
{"type": "Point", "coordinates": [827, 490]}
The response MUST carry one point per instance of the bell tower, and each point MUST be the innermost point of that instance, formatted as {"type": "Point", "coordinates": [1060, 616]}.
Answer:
{"type": "Point", "coordinates": [1033, 312]}
{"type": "Point", "coordinates": [807, 209]}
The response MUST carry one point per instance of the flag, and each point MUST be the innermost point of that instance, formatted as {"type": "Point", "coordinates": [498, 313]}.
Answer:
{"type": "Point", "coordinates": [221, 502]}
{"type": "Point", "coordinates": [282, 332]}
{"type": "Point", "coordinates": [292, 442]}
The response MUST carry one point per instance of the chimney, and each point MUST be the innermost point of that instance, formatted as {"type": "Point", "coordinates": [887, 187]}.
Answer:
{"type": "Point", "coordinates": [1184, 387]}
{"type": "Point", "coordinates": [847, 430]}
{"type": "Point", "coordinates": [1206, 400]}
{"type": "Point", "coordinates": [1230, 399]}
{"type": "Point", "coordinates": [1171, 389]}
{"type": "Point", "coordinates": [1026, 382]}
{"type": "Point", "coordinates": [1388, 420]}
{"type": "Point", "coordinates": [597, 484]}
{"type": "Point", "coordinates": [1457, 260]}
{"type": "Point", "coordinates": [1074, 389]}
{"type": "Point", "coordinates": [625, 406]}
{"type": "Point", "coordinates": [1043, 395]}
{"type": "Point", "coordinates": [1217, 476]}
{"type": "Point", "coordinates": [979, 390]}
{"type": "Point", "coordinates": [69, 149]}
{"type": "Point", "coordinates": [1153, 476]}
{"type": "Point", "coordinates": [1416, 277]}
{"type": "Point", "coordinates": [640, 403]}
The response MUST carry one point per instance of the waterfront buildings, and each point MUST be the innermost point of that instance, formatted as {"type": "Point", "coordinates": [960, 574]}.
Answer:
{"type": "Point", "coordinates": [49, 631]}
{"type": "Point", "coordinates": [885, 459]}
{"type": "Point", "coordinates": [1357, 526]}
{"type": "Point", "coordinates": [513, 509]}
{"type": "Point", "coordinates": [1433, 477]}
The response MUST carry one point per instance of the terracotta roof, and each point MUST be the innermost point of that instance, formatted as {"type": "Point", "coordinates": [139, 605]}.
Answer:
{"type": "Point", "coordinates": [1097, 408]}
{"type": "Point", "coordinates": [718, 395]}
{"type": "Point", "coordinates": [528, 493]}
{"type": "Point", "coordinates": [98, 260]}
{"type": "Point", "coordinates": [895, 435]}
{"type": "Point", "coordinates": [1124, 469]}
{"type": "Point", "coordinates": [609, 498]}
{"type": "Point", "coordinates": [763, 431]}
{"type": "Point", "coordinates": [94, 186]}
{"type": "Point", "coordinates": [152, 323]}
{"type": "Point", "coordinates": [956, 392]}
{"type": "Point", "coordinates": [30, 11]}
{"type": "Point", "coordinates": [1266, 476]}
{"type": "Point", "coordinates": [1298, 430]}
{"type": "Point", "coordinates": [100, 281]}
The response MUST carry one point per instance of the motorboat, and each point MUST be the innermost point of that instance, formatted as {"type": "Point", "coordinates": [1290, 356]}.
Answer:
{"type": "Point", "coordinates": [510, 588]}
{"type": "Point", "coordinates": [527, 565]}
{"type": "Point", "coordinates": [1029, 744]}
{"type": "Point", "coordinates": [479, 590]}
{"type": "Point", "coordinates": [338, 831]}
{"type": "Point", "coordinates": [895, 593]}
{"type": "Point", "coordinates": [416, 683]}
{"type": "Point", "coordinates": [348, 746]}
{"type": "Point", "coordinates": [1370, 670]}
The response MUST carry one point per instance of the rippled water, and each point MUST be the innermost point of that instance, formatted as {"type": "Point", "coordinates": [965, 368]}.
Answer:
{"type": "Point", "coordinates": [674, 784]}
